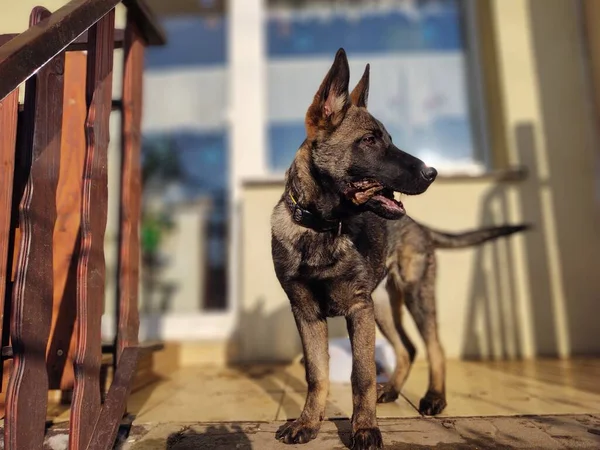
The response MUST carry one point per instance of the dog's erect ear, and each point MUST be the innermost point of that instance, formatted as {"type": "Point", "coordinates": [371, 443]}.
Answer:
{"type": "Point", "coordinates": [331, 100]}
{"type": "Point", "coordinates": [360, 94]}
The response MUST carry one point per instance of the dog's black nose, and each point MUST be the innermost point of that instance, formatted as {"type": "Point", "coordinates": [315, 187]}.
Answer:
{"type": "Point", "coordinates": [429, 173]}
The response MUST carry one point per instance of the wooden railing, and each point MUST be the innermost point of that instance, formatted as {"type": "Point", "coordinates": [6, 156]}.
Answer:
{"type": "Point", "coordinates": [53, 214]}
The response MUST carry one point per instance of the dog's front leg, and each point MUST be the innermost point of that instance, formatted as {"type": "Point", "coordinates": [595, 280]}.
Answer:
{"type": "Point", "coordinates": [313, 333]}
{"type": "Point", "coordinates": [361, 328]}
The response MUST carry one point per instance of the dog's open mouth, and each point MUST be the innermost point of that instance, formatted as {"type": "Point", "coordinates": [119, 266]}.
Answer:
{"type": "Point", "coordinates": [375, 197]}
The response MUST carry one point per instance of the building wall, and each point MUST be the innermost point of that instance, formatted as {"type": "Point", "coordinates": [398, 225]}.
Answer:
{"type": "Point", "coordinates": [535, 294]}
{"type": "Point", "coordinates": [531, 295]}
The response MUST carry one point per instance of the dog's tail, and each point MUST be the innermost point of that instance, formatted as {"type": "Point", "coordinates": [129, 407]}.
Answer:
{"type": "Point", "coordinates": [474, 237]}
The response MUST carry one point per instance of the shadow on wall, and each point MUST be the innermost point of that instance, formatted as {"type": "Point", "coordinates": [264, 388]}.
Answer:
{"type": "Point", "coordinates": [560, 274]}
{"type": "Point", "coordinates": [493, 325]}
{"type": "Point", "coordinates": [571, 152]}
{"type": "Point", "coordinates": [260, 326]}
{"type": "Point", "coordinates": [559, 253]}
{"type": "Point", "coordinates": [562, 299]}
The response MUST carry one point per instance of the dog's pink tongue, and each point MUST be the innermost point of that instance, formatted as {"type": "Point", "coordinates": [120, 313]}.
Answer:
{"type": "Point", "coordinates": [389, 203]}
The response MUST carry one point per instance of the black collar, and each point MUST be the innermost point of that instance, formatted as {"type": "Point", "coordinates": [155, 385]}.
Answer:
{"type": "Point", "coordinates": [308, 219]}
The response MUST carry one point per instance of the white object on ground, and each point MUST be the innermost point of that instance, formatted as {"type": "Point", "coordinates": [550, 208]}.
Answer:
{"type": "Point", "coordinates": [340, 360]}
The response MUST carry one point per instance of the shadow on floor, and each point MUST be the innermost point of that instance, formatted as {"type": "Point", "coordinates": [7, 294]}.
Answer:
{"type": "Point", "coordinates": [214, 437]}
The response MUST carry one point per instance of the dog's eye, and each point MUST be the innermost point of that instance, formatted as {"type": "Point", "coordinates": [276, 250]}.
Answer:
{"type": "Point", "coordinates": [370, 139]}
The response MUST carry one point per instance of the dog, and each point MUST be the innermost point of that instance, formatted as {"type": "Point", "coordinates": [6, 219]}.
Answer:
{"type": "Point", "coordinates": [411, 266]}
{"type": "Point", "coordinates": [335, 231]}
{"type": "Point", "coordinates": [329, 240]}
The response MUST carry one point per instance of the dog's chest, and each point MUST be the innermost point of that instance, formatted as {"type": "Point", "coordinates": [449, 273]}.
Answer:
{"type": "Point", "coordinates": [321, 255]}
{"type": "Point", "coordinates": [332, 256]}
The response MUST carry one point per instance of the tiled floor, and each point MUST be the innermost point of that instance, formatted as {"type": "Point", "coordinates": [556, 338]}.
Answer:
{"type": "Point", "coordinates": [266, 393]}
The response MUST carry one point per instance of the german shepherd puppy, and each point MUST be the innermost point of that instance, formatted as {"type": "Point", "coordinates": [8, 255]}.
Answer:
{"type": "Point", "coordinates": [330, 240]}
{"type": "Point", "coordinates": [335, 236]}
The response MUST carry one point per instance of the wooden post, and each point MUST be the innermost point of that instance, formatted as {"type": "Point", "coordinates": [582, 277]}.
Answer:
{"type": "Point", "coordinates": [32, 293]}
{"type": "Point", "coordinates": [61, 346]}
{"type": "Point", "coordinates": [103, 437]}
{"type": "Point", "coordinates": [131, 191]}
{"type": "Point", "coordinates": [8, 142]}
{"type": "Point", "coordinates": [91, 270]}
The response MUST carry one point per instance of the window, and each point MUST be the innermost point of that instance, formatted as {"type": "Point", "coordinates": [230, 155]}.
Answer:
{"type": "Point", "coordinates": [419, 73]}
{"type": "Point", "coordinates": [185, 162]}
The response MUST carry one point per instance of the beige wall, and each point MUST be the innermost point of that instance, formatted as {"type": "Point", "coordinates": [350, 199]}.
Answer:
{"type": "Point", "coordinates": [15, 15]}
{"type": "Point", "coordinates": [535, 294]}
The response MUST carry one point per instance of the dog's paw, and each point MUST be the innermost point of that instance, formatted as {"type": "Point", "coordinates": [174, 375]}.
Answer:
{"type": "Point", "coordinates": [367, 439]}
{"type": "Point", "coordinates": [432, 404]}
{"type": "Point", "coordinates": [297, 433]}
{"type": "Point", "coordinates": [386, 393]}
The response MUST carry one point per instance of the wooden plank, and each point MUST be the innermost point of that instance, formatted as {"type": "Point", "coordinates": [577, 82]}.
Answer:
{"type": "Point", "coordinates": [32, 291]}
{"type": "Point", "coordinates": [91, 267]}
{"type": "Point", "coordinates": [21, 174]}
{"type": "Point", "coordinates": [105, 429]}
{"type": "Point", "coordinates": [8, 138]}
{"type": "Point", "coordinates": [131, 191]}
{"type": "Point", "coordinates": [79, 44]}
{"type": "Point", "coordinates": [62, 344]}
{"type": "Point", "coordinates": [8, 143]}
{"type": "Point", "coordinates": [7, 370]}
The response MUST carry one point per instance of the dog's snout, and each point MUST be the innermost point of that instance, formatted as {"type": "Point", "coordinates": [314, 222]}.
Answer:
{"type": "Point", "coordinates": [429, 174]}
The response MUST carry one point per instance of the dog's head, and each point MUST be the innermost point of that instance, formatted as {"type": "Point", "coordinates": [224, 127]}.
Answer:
{"type": "Point", "coordinates": [353, 149]}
